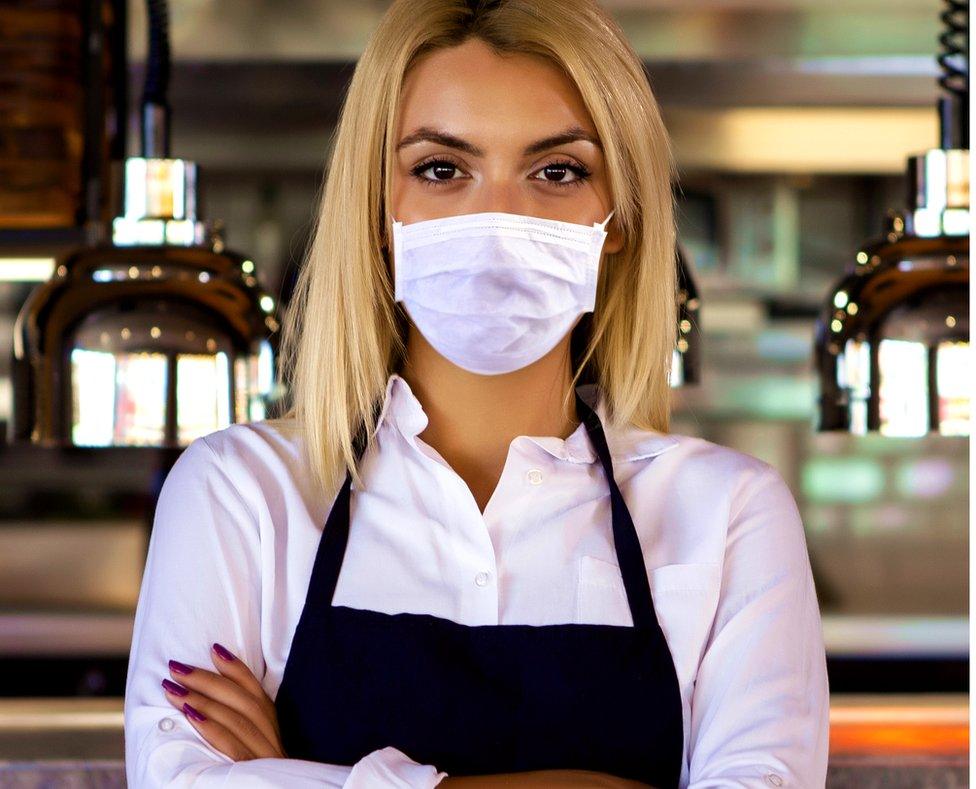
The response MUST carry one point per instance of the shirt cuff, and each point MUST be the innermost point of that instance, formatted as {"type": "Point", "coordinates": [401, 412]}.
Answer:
{"type": "Point", "coordinates": [390, 767]}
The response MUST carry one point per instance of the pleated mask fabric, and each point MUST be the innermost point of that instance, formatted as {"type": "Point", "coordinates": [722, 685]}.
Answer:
{"type": "Point", "coordinates": [494, 292]}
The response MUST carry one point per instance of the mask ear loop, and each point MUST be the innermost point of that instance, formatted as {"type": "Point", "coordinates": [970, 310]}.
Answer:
{"type": "Point", "coordinates": [396, 254]}
{"type": "Point", "coordinates": [603, 224]}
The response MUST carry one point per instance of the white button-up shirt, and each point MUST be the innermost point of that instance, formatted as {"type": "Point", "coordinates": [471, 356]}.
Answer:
{"type": "Point", "coordinates": [238, 523]}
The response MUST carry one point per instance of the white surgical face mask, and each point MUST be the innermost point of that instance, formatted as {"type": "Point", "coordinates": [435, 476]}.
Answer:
{"type": "Point", "coordinates": [494, 292]}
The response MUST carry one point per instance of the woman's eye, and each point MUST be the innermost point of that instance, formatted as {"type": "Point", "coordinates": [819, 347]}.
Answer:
{"type": "Point", "coordinates": [557, 173]}
{"type": "Point", "coordinates": [440, 171]}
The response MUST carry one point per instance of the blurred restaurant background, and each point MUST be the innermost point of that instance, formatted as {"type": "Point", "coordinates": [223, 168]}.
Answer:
{"type": "Point", "coordinates": [156, 197]}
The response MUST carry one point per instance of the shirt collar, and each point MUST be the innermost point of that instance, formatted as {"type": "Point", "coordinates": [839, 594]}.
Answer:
{"type": "Point", "coordinates": [401, 406]}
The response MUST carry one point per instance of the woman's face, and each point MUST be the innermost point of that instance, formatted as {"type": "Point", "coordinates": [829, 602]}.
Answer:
{"type": "Point", "coordinates": [484, 132]}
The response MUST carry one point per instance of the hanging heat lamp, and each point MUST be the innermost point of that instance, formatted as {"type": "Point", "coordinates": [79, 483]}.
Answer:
{"type": "Point", "coordinates": [158, 337]}
{"type": "Point", "coordinates": [892, 342]}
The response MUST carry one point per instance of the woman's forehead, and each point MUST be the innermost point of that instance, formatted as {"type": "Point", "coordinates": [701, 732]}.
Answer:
{"type": "Point", "coordinates": [476, 92]}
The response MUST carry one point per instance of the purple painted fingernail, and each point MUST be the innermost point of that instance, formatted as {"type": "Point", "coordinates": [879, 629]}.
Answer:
{"type": "Point", "coordinates": [179, 668]}
{"type": "Point", "coordinates": [174, 688]}
{"type": "Point", "coordinates": [223, 652]}
{"type": "Point", "coordinates": [193, 713]}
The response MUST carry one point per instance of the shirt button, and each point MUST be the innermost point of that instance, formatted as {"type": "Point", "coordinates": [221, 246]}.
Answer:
{"type": "Point", "coordinates": [534, 476]}
{"type": "Point", "coordinates": [166, 724]}
{"type": "Point", "coordinates": [773, 779]}
{"type": "Point", "coordinates": [481, 579]}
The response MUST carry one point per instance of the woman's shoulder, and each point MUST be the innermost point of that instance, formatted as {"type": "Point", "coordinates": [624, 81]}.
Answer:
{"type": "Point", "coordinates": [706, 462]}
{"type": "Point", "coordinates": [261, 462]}
{"type": "Point", "coordinates": [706, 476]}
{"type": "Point", "coordinates": [256, 443]}
{"type": "Point", "coordinates": [755, 494]}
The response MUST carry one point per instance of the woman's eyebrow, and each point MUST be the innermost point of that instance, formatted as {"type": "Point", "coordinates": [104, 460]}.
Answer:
{"type": "Point", "coordinates": [429, 134]}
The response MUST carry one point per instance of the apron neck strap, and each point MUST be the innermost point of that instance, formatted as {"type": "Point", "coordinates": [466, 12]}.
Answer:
{"type": "Point", "coordinates": [626, 543]}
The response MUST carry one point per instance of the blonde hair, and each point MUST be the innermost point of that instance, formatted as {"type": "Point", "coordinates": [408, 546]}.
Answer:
{"type": "Point", "coordinates": [342, 334]}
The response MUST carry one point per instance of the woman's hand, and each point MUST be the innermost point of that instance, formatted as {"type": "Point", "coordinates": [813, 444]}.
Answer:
{"type": "Point", "coordinates": [230, 709]}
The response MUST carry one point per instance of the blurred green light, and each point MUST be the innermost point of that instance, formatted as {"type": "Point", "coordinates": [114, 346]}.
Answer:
{"type": "Point", "coordinates": [848, 480]}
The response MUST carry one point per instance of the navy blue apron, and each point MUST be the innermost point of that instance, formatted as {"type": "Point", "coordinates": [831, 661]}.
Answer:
{"type": "Point", "coordinates": [481, 699]}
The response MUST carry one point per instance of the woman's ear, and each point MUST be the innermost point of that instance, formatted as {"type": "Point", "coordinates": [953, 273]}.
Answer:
{"type": "Point", "coordinates": [614, 241]}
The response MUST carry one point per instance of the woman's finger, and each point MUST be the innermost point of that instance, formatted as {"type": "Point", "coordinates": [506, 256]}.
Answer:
{"type": "Point", "coordinates": [204, 710]}
{"type": "Point", "coordinates": [218, 735]}
{"type": "Point", "coordinates": [228, 693]}
{"type": "Point", "coordinates": [232, 667]}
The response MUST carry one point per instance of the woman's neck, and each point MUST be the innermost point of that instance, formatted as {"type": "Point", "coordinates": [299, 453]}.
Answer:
{"type": "Point", "coordinates": [472, 419]}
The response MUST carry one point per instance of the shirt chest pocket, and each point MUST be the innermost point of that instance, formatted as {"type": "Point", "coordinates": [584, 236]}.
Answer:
{"type": "Point", "coordinates": [684, 598]}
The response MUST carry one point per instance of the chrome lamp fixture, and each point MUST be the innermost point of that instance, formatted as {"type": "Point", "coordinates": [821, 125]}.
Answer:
{"type": "Point", "coordinates": [161, 335]}
{"type": "Point", "coordinates": [892, 341]}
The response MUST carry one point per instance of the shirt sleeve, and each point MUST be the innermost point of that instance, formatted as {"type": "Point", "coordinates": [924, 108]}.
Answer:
{"type": "Point", "coordinates": [201, 584]}
{"type": "Point", "coordinates": [760, 707]}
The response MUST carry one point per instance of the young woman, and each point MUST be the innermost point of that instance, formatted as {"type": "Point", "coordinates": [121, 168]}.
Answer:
{"type": "Point", "coordinates": [473, 554]}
